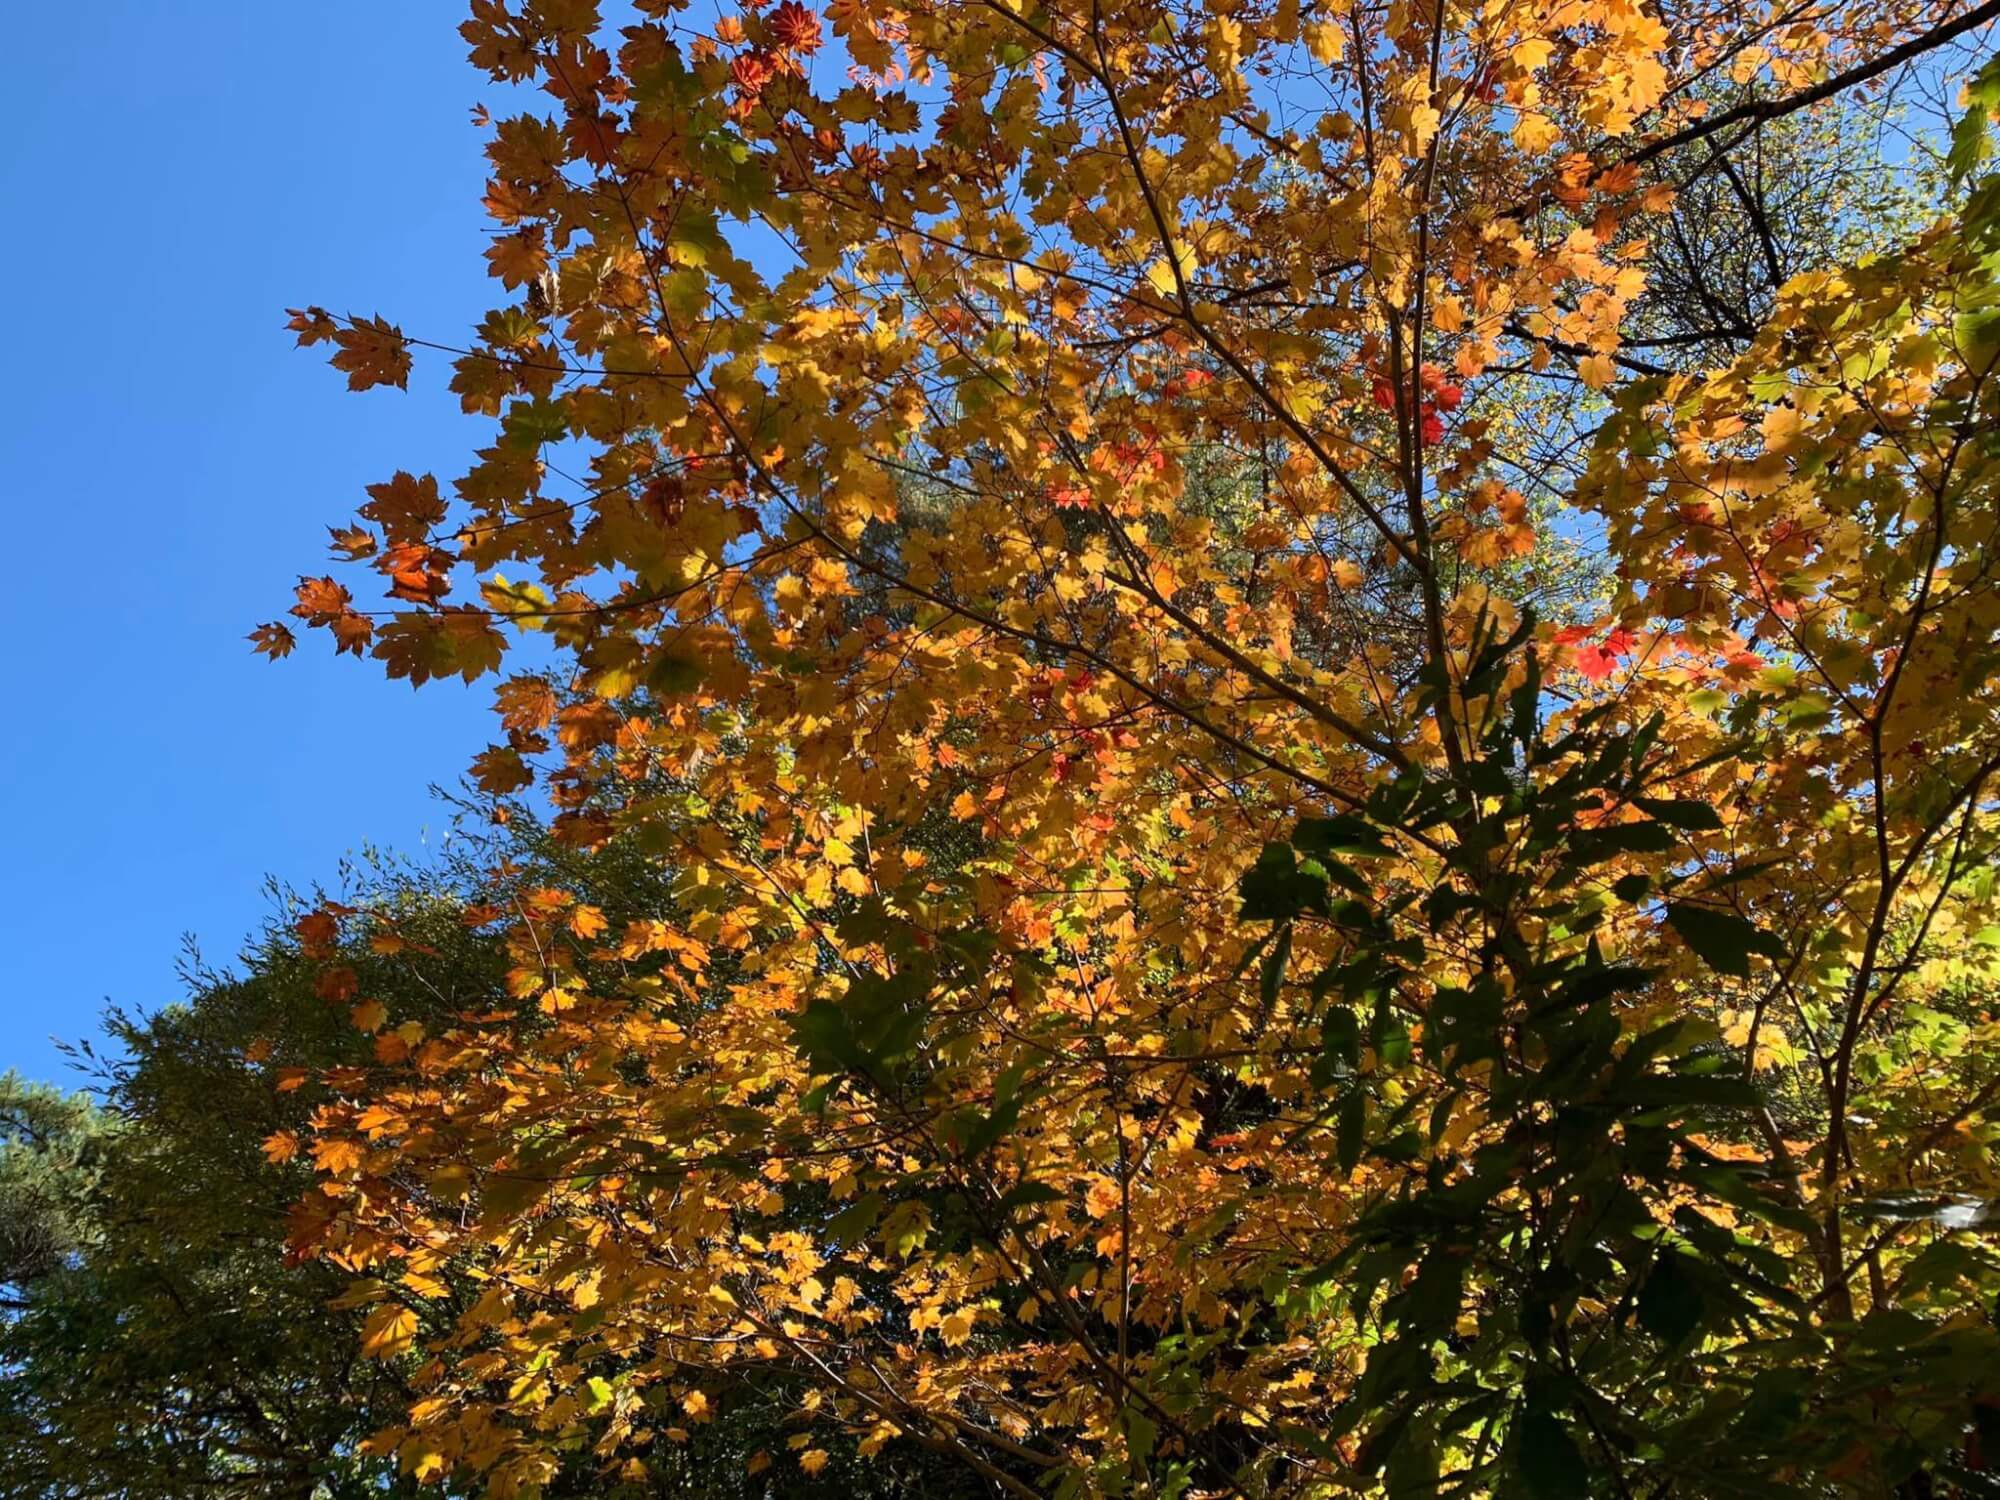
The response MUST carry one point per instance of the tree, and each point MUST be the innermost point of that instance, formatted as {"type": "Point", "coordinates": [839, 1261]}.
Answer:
{"type": "Point", "coordinates": [155, 1341]}
{"type": "Point", "coordinates": [164, 1349]}
{"type": "Point", "coordinates": [1189, 987]}
{"type": "Point", "coordinates": [50, 1148]}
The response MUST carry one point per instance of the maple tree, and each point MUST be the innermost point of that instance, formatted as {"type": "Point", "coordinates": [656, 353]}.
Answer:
{"type": "Point", "coordinates": [1205, 954]}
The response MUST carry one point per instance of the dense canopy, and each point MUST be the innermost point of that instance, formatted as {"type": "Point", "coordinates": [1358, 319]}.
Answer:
{"type": "Point", "coordinates": [1269, 730]}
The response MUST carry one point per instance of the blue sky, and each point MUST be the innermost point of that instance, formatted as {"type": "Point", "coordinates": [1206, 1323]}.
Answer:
{"type": "Point", "coordinates": [174, 177]}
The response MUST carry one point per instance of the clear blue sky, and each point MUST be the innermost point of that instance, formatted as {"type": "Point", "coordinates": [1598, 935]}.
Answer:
{"type": "Point", "coordinates": [173, 177]}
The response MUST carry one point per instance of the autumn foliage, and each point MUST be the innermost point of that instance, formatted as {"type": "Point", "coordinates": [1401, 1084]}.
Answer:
{"type": "Point", "coordinates": [1212, 949]}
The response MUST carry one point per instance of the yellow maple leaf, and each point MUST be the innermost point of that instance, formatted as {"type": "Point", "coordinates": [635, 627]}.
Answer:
{"type": "Point", "coordinates": [1530, 53]}
{"type": "Point", "coordinates": [390, 1329]}
{"type": "Point", "coordinates": [1102, 1199]}
{"type": "Point", "coordinates": [957, 1326]}
{"type": "Point", "coordinates": [336, 1154]}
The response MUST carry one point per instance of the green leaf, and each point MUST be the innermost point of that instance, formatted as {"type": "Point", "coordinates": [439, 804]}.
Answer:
{"type": "Point", "coordinates": [1340, 1039]}
{"type": "Point", "coordinates": [1968, 146]}
{"type": "Point", "coordinates": [1977, 336]}
{"type": "Point", "coordinates": [1141, 1432]}
{"type": "Point", "coordinates": [1588, 986]}
{"type": "Point", "coordinates": [853, 1222]}
{"type": "Point", "coordinates": [1670, 1303]}
{"type": "Point", "coordinates": [1350, 1131]}
{"type": "Point", "coordinates": [1276, 890]}
{"type": "Point", "coordinates": [1393, 1046]}
{"type": "Point", "coordinates": [1344, 834]}
{"type": "Point", "coordinates": [508, 1195]}
{"type": "Point", "coordinates": [1549, 1462]}
{"type": "Point", "coordinates": [674, 672]}
{"type": "Point", "coordinates": [1275, 963]}
{"type": "Point", "coordinates": [1969, 142]}
{"type": "Point", "coordinates": [1721, 939]}
{"type": "Point", "coordinates": [821, 1033]}
{"type": "Point", "coordinates": [695, 238]}
{"type": "Point", "coordinates": [1026, 1195]}
{"type": "Point", "coordinates": [1696, 817]}
{"type": "Point", "coordinates": [987, 1130]}
{"type": "Point", "coordinates": [1595, 844]}
{"type": "Point", "coordinates": [1808, 711]}
{"type": "Point", "coordinates": [529, 424]}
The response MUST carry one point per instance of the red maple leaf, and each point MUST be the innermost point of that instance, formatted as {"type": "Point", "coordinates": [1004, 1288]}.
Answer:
{"type": "Point", "coordinates": [1596, 662]}
{"type": "Point", "coordinates": [795, 28]}
{"type": "Point", "coordinates": [1070, 496]}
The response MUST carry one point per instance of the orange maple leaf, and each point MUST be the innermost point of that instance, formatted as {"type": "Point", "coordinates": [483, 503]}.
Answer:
{"type": "Point", "coordinates": [372, 352]}
{"type": "Point", "coordinates": [273, 640]}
